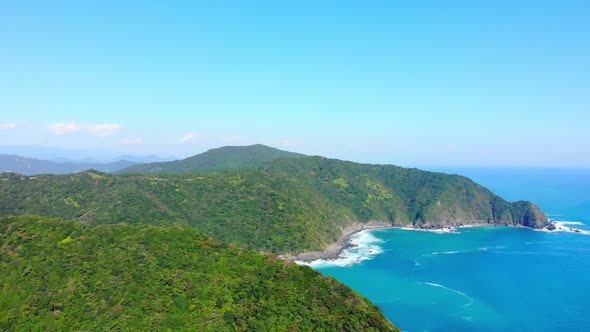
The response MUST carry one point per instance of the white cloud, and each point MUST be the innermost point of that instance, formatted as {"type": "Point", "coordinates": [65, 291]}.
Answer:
{"type": "Point", "coordinates": [132, 141]}
{"type": "Point", "coordinates": [100, 130]}
{"type": "Point", "coordinates": [188, 137]}
{"type": "Point", "coordinates": [62, 128]}
{"type": "Point", "coordinates": [103, 130]}
{"type": "Point", "coordinates": [234, 139]}
{"type": "Point", "coordinates": [7, 125]}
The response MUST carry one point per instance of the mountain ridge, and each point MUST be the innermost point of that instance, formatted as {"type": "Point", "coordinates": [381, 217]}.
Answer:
{"type": "Point", "coordinates": [219, 159]}
{"type": "Point", "coordinates": [289, 205]}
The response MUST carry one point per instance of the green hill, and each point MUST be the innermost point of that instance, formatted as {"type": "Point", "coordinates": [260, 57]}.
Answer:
{"type": "Point", "coordinates": [220, 159]}
{"type": "Point", "coordinates": [404, 196]}
{"type": "Point", "coordinates": [286, 206]}
{"type": "Point", "coordinates": [58, 276]}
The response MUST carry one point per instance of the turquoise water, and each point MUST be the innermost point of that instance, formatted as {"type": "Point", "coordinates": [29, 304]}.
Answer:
{"type": "Point", "coordinates": [483, 278]}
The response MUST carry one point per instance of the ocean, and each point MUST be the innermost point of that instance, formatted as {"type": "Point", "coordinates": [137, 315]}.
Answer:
{"type": "Point", "coordinates": [483, 278]}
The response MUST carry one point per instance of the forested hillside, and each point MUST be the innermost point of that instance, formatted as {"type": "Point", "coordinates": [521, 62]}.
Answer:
{"type": "Point", "coordinates": [288, 205]}
{"type": "Point", "coordinates": [60, 275]}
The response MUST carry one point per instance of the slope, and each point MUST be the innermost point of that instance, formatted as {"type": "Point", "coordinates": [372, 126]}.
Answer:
{"type": "Point", "coordinates": [64, 276]}
{"type": "Point", "coordinates": [404, 196]}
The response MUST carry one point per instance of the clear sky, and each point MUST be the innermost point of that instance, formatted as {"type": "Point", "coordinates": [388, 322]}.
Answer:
{"type": "Point", "coordinates": [403, 82]}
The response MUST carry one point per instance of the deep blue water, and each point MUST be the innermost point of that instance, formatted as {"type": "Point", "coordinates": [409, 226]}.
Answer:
{"type": "Point", "coordinates": [484, 278]}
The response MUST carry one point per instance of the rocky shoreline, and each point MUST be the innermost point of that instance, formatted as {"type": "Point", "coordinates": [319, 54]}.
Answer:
{"type": "Point", "coordinates": [334, 250]}
{"type": "Point", "coordinates": [564, 226]}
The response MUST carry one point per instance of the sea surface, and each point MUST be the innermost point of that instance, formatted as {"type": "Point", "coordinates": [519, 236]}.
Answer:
{"type": "Point", "coordinates": [483, 278]}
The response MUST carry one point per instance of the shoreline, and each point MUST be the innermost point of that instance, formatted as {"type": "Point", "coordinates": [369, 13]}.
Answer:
{"type": "Point", "coordinates": [334, 250]}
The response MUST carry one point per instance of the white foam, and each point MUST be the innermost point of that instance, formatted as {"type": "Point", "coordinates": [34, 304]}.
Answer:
{"type": "Point", "coordinates": [565, 222]}
{"type": "Point", "coordinates": [454, 252]}
{"type": "Point", "coordinates": [445, 230]}
{"type": "Point", "coordinates": [470, 300]}
{"type": "Point", "coordinates": [488, 248]}
{"type": "Point", "coordinates": [562, 226]}
{"type": "Point", "coordinates": [446, 252]}
{"type": "Point", "coordinates": [363, 246]}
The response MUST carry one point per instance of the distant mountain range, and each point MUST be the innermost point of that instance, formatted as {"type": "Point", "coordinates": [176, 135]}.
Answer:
{"type": "Point", "coordinates": [214, 160]}
{"type": "Point", "coordinates": [32, 166]}
{"type": "Point", "coordinates": [60, 155]}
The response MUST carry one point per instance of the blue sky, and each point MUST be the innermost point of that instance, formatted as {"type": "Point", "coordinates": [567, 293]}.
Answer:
{"type": "Point", "coordinates": [403, 82]}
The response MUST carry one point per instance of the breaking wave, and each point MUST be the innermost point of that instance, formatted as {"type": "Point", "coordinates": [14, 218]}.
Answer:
{"type": "Point", "coordinates": [566, 226]}
{"type": "Point", "coordinates": [363, 246]}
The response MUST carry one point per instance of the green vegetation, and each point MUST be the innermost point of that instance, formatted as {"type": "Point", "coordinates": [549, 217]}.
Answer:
{"type": "Point", "coordinates": [136, 256]}
{"type": "Point", "coordinates": [214, 160]}
{"type": "Point", "coordinates": [287, 206]}
{"type": "Point", "coordinates": [251, 208]}
{"type": "Point", "coordinates": [405, 196]}
{"type": "Point", "coordinates": [59, 275]}
{"type": "Point", "coordinates": [341, 182]}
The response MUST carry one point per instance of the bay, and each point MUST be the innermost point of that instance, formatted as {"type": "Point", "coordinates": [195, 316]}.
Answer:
{"type": "Point", "coordinates": [483, 278]}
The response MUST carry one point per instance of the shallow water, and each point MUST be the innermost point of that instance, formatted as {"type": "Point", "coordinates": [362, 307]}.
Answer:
{"type": "Point", "coordinates": [481, 278]}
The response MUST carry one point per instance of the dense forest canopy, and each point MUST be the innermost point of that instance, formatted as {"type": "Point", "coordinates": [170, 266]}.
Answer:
{"type": "Point", "coordinates": [60, 275]}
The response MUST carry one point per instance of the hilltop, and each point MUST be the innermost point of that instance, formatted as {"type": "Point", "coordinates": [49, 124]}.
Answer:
{"type": "Point", "coordinates": [220, 159]}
